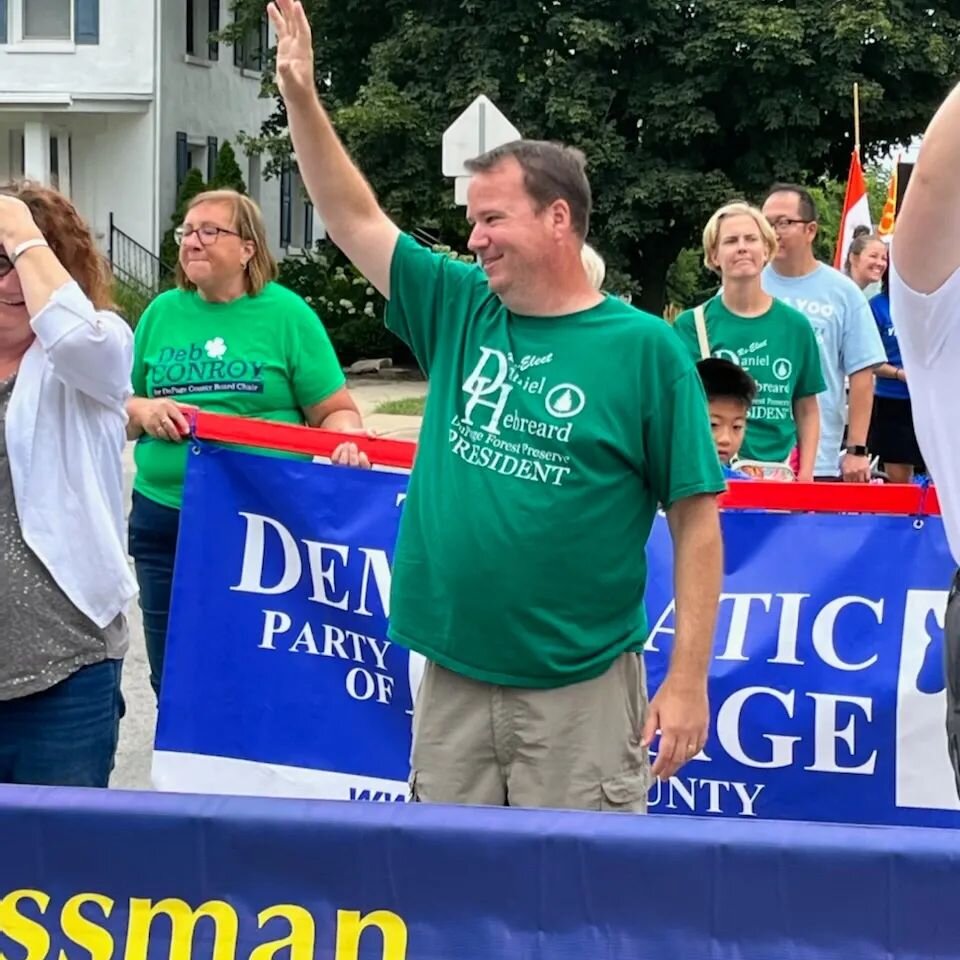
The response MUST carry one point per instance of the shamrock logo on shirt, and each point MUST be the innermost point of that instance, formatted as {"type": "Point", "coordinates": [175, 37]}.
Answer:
{"type": "Point", "coordinates": [215, 348]}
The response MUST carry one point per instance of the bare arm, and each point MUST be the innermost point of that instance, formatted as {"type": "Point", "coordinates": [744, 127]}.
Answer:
{"type": "Point", "coordinates": [341, 195]}
{"type": "Point", "coordinates": [889, 372]}
{"type": "Point", "coordinates": [806, 413]}
{"type": "Point", "coordinates": [680, 709]}
{"type": "Point", "coordinates": [857, 469]}
{"type": "Point", "coordinates": [89, 349]}
{"type": "Point", "coordinates": [337, 412]}
{"type": "Point", "coordinates": [926, 250]}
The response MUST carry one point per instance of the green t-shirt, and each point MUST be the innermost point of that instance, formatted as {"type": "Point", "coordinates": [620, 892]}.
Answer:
{"type": "Point", "coordinates": [266, 356]}
{"type": "Point", "coordinates": [547, 444]}
{"type": "Point", "coordinates": [779, 350]}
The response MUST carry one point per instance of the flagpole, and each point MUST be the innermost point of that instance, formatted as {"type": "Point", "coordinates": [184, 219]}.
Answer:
{"type": "Point", "coordinates": [856, 118]}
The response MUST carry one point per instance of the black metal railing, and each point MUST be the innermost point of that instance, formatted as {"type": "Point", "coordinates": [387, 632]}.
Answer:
{"type": "Point", "coordinates": [135, 265]}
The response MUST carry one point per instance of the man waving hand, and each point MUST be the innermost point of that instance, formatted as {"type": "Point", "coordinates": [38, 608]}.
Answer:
{"type": "Point", "coordinates": [558, 420]}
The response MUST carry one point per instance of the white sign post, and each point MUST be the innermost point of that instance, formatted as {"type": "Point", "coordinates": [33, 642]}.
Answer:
{"type": "Point", "coordinates": [479, 128]}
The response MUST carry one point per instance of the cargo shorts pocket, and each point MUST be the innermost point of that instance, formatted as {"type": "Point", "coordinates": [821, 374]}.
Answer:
{"type": "Point", "coordinates": [625, 793]}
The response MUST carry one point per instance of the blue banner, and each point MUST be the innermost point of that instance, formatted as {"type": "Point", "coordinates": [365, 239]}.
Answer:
{"type": "Point", "coordinates": [826, 688]}
{"type": "Point", "coordinates": [826, 685]}
{"type": "Point", "coordinates": [104, 874]}
{"type": "Point", "coordinates": [279, 674]}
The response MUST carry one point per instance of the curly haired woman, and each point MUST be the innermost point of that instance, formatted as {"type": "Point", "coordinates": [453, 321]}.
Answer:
{"type": "Point", "coordinates": [64, 579]}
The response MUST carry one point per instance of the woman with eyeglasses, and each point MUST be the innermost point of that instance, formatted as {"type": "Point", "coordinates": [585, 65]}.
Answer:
{"type": "Point", "coordinates": [64, 578]}
{"type": "Point", "coordinates": [228, 339]}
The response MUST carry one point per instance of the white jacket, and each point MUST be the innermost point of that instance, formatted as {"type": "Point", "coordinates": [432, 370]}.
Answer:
{"type": "Point", "coordinates": [65, 432]}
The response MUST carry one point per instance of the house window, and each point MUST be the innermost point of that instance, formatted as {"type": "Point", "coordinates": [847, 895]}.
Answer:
{"type": "Point", "coordinates": [297, 217]}
{"type": "Point", "coordinates": [47, 19]}
{"type": "Point", "coordinates": [253, 176]}
{"type": "Point", "coordinates": [197, 156]}
{"type": "Point", "coordinates": [249, 52]}
{"type": "Point", "coordinates": [201, 20]}
{"type": "Point", "coordinates": [54, 162]}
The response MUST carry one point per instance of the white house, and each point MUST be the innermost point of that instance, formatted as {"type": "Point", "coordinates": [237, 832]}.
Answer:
{"type": "Point", "coordinates": [112, 101]}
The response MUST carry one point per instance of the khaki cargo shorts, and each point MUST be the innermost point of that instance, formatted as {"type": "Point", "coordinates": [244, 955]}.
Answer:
{"type": "Point", "coordinates": [575, 747]}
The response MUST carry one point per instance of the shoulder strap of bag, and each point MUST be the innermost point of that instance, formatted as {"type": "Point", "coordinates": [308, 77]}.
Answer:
{"type": "Point", "coordinates": [700, 319]}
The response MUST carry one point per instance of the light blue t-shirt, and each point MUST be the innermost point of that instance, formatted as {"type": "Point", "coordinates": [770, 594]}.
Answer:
{"type": "Point", "coordinates": [848, 338]}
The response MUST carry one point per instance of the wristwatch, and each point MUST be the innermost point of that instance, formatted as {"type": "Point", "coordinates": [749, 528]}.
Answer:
{"type": "Point", "coordinates": [857, 450]}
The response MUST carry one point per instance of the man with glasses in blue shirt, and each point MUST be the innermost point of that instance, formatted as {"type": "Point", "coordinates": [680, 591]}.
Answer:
{"type": "Point", "coordinates": [850, 345]}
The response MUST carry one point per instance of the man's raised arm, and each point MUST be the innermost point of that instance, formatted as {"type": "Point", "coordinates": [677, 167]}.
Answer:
{"type": "Point", "coordinates": [926, 245]}
{"type": "Point", "coordinates": [341, 195]}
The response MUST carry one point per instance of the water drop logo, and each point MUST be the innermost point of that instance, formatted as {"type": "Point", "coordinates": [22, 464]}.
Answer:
{"type": "Point", "coordinates": [564, 401]}
{"type": "Point", "coordinates": [782, 368]}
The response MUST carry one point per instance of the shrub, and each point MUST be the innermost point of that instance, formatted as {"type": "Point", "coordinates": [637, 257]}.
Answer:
{"type": "Point", "coordinates": [227, 175]}
{"type": "Point", "coordinates": [191, 186]}
{"type": "Point", "coordinates": [350, 308]}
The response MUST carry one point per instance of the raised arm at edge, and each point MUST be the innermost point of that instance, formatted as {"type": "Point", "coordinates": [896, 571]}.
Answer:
{"type": "Point", "coordinates": [926, 245]}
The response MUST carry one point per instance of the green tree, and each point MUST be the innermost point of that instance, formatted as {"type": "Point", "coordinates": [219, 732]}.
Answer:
{"type": "Point", "coordinates": [227, 175]}
{"type": "Point", "coordinates": [191, 186]}
{"type": "Point", "coordinates": [679, 106]}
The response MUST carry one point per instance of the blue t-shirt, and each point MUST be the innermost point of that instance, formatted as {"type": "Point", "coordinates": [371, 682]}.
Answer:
{"type": "Point", "coordinates": [886, 387]}
{"type": "Point", "coordinates": [848, 340]}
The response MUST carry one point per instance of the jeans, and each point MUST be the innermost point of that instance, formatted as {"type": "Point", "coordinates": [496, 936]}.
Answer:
{"type": "Point", "coordinates": [65, 736]}
{"type": "Point", "coordinates": [153, 546]}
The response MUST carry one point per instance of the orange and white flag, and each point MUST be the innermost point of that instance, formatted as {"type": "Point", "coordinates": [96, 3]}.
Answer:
{"type": "Point", "coordinates": [890, 207]}
{"type": "Point", "coordinates": [856, 210]}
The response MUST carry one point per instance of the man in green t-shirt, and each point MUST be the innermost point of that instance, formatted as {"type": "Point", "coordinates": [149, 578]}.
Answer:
{"type": "Point", "coordinates": [558, 420]}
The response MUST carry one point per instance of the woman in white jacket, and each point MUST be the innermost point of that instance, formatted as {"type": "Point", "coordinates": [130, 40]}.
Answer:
{"type": "Point", "coordinates": [64, 579]}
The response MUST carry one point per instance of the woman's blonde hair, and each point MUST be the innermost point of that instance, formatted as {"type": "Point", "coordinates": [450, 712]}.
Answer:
{"type": "Point", "coordinates": [593, 265]}
{"type": "Point", "coordinates": [247, 220]}
{"type": "Point", "coordinates": [711, 232]}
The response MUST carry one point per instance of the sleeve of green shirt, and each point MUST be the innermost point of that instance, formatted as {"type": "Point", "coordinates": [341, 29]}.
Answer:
{"type": "Point", "coordinates": [430, 294]}
{"type": "Point", "coordinates": [681, 456]}
{"type": "Point", "coordinates": [686, 330]}
{"type": "Point", "coordinates": [314, 368]}
{"type": "Point", "coordinates": [810, 379]}
{"type": "Point", "coordinates": [138, 375]}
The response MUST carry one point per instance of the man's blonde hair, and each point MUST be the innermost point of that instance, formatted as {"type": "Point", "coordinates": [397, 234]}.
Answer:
{"type": "Point", "coordinates": [247, 220]}
{"type": "Point", "coordinates": [593, 265]}
{"type": "Point", "coordinates": [711, 232]}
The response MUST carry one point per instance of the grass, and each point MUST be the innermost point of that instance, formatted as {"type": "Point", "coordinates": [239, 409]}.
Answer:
{"type": "Point", "coordinates": [407, 407]}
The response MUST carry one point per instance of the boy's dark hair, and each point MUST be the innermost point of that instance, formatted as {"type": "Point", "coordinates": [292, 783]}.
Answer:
{"type": "Point", "coordinates": [725, 380]}
{"type": "Point", "coordinates": [808, 207]}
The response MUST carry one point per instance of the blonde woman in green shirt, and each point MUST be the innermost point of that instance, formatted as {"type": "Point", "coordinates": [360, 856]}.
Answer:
{"type": "Point", "coordinates": [774, 343]}
{"type": "Point", "coordinates": [228, 339]}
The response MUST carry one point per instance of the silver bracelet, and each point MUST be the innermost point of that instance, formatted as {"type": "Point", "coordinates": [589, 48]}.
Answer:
{"type": "Point", "coordinates": [21, 248]}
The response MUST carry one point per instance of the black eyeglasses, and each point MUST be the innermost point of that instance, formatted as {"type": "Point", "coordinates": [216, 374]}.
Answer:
{"type": "Point", "coordinates": [207, 233]}
{"type": "Point", "coordinates": [781, 223]}
{"type": "Point", "coordinates": [6, 264]}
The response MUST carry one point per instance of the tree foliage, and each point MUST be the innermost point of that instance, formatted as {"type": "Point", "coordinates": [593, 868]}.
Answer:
{"type": "Point", "coordinates": [680, 105]}
{"type": "Point", "coordinates": [192, 185]}
{"type": "Point", "coordinates": [226, 174]}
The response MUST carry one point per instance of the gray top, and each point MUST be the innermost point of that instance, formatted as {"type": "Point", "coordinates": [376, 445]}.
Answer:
{"type": "Point", "coordinates": [44, 638]}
